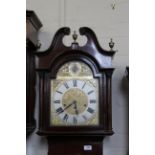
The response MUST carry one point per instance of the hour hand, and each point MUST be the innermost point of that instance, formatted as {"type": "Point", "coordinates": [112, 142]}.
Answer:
{"type": "Point", "coordinates": [75, 107]}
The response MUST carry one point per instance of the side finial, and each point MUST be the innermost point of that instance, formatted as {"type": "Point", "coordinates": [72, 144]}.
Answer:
{"type": "Point", "coordinates": [111, 44]}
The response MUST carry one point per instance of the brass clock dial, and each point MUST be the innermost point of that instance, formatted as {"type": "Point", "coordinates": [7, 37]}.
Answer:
{"type": "Point", "coordinates": [74, 98]}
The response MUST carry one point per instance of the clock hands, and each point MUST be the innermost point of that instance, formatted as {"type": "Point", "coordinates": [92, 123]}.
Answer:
{"type": "Point", "coordinates": [62, 110]}
{"type": "Point", "coordinates": [75, 107]}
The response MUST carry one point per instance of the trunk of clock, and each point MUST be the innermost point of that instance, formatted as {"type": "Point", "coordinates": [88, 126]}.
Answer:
{"type": "Point", "coordinates": [78, 145]}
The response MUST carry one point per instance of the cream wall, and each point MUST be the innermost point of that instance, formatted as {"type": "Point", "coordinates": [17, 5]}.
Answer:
{"type": "Point", "coordinates": [107, 23]}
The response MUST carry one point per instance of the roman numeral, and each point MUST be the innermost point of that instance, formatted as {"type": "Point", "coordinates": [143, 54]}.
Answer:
{"type": "Point", "coordinates": [74, 83]}
{"type": "Point", "coordinates": [90, 92]}
{"type": "Point", "coordinates": [85, 118]}
{"type": "Point", "coordinates": [66, 85]}
{"type": "Point", "coordinates": [59, 92]}
{"type": "Point", "coordinates": [92, 101]}
{"type": "Point", "coordinates": [57, 101]}
{"type": "Point", "coordinates": [65, 118]}
{"type": "Point", "coordinates": [74, 120]}
{"type": "Point", "coordinates": [90, 110]}
{"type": "Point", "coordinates": [84, 85]}
{"type": "Point", "coordinates": [59, 110]}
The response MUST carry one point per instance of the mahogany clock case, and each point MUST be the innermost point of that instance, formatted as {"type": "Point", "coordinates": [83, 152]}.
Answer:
{"type": "Point", "coordinates": [47, 65]}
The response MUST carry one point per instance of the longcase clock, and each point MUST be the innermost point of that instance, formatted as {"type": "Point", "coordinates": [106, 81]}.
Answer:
{"type": "Point", "coordinates": [75, 95]}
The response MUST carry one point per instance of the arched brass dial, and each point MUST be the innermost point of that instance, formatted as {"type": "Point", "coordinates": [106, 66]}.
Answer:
{"type": "Point", "coordinates": [74, 98]}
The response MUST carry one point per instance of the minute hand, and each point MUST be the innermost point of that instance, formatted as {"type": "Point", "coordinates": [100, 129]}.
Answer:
{"type": "Point", "coordinates": [66, 108]}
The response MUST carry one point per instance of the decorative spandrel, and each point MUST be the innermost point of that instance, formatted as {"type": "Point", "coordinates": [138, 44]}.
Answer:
{"type": "Point", "coordinates": [74, 96]}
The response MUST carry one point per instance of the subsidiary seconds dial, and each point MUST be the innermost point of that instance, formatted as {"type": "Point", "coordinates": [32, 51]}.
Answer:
{"type": "Point", "coordinates": [75, 101]}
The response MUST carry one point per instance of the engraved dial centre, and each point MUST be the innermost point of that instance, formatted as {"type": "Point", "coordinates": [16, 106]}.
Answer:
{"type": "Point", "coordinates": [78, 98]}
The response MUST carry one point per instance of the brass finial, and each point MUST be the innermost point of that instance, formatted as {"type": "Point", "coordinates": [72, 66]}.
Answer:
{"type": "Point", "coordinates": [75, 36]}
{"type": "Point", "coordinates": [111, 44]}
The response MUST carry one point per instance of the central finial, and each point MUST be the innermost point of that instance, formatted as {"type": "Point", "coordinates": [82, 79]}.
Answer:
{"type": "Point", "coordinates": [75, 36]}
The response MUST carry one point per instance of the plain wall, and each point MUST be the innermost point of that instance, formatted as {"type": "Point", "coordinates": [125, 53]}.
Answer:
{"type": "Point", "coordinates": [107, 22]}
